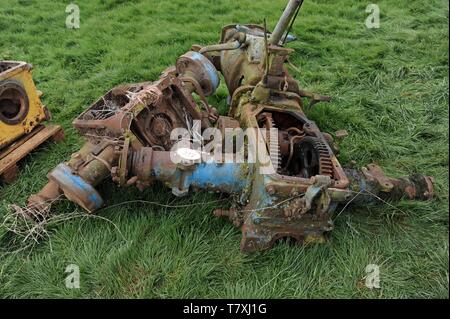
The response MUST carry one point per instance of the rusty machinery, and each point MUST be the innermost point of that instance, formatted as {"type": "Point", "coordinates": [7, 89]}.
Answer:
{"type": "Point", "coordinates": [128, 139]}
{"type": "Point", "coordinates": [21, 117]}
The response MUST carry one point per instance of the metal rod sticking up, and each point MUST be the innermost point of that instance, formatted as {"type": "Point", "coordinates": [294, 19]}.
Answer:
{"type": "Point", "coordinates": [284, 20]}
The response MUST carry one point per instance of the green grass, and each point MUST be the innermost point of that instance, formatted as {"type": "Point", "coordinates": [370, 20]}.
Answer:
{"type": "Point", "coordinates": [389, 89]}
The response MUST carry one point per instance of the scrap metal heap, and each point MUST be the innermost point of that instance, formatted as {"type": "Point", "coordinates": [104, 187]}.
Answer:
{"type": "Point", "coordinates": [128, 138]}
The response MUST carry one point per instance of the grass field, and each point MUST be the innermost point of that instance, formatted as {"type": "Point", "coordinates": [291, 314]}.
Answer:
{"type": "Point", "coordinates": [389, 89]}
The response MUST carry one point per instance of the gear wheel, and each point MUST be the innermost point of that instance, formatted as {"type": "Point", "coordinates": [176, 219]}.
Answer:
{"type": "Point", "coordinates": [314, 157]}
{"type": "Point", "coordinates": [266, 121]}
{"type": "Point", "coordinates": [159, 128]}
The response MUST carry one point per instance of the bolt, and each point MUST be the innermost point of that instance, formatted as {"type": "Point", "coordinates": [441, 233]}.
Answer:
{"type": "Point", "coordinates": [220, 212]}
{"type": "Point", "coordinates": [270, 190]}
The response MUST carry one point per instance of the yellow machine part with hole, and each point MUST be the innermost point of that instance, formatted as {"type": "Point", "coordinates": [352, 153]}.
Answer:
{"type": "Point", "coordinates": [15, 77]}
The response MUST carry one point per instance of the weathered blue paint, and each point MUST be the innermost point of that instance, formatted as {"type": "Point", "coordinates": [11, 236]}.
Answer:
{"type": "Point", "coordinates": [209, 67]}
{"type": "Point", "coordinates": [362, 185]}
{"type": "Point", "coordinates": [226, 177]}
{"type": "Point", "coordinates": [63, 175]}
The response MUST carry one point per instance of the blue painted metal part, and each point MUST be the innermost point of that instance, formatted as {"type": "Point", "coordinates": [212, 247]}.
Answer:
{"type": "Point", "coordinates": [209, 67]}
{"type": "Point", "coordinates": [76, 188]}
{"type": "Point", "coordinates": [226, 177]}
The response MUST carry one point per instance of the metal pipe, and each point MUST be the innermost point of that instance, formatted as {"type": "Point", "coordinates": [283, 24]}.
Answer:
{"type": "Point", "coordinates": [259, 33]}
{"type": "Point", "coordinates": [283, 22]}
{"type": "Point", "coordinates": [239, 39]}
{"type": "Point", "coordinates": [221, 47]}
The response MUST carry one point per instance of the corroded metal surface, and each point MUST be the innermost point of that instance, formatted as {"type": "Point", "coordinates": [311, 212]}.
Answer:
{"type": "Point", "coordinates": [292, 194]}
{"type": "Point", "coordinates": [20, 107]}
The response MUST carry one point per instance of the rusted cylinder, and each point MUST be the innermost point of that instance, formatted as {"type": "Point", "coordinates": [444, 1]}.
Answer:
{"type": "Point", "coordinates": [99, 167]}
{"type": "Point", "coordinates": [222, 47]}
{"type": "Point", "coordinates": [283, 22]}
{"type": "Point", "coordinates": [42, 200]}
{"type": "Point", "coordinates": [196, 66]}
{"type": "Point", "coordinates": [366, 189]}
{"type": "Point", "coordinates": [90, 169]}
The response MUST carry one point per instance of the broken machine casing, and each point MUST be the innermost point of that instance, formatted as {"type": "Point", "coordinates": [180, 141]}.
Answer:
{"type": "Point", "coordinates": [293, 194]}
{"type": "Point", "coordinates": [21, 117]}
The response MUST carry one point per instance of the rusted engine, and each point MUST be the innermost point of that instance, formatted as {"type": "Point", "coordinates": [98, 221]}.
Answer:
{"type": "Point", "coordinates": [282, 173]}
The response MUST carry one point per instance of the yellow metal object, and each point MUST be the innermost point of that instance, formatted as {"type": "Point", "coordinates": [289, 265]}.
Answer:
{"type": "Point", "coordinates": [20, 107]}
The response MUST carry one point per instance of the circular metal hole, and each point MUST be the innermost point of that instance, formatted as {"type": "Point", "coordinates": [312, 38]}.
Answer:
{"type": "Point", "coordinates": [13, 103]}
